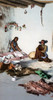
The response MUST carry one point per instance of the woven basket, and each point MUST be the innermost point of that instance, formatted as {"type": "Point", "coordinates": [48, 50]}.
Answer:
{"type": "Point", "coordinates": [32, 54]}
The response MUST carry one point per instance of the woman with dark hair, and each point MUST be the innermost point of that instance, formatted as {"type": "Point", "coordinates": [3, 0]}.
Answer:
{"type": "Point", "coordinates": [14, 46]}
{"type": "Point", "coordinates": [41, 52]}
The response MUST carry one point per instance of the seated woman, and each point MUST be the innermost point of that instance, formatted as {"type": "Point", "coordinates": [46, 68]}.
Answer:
{"type": "Point", "coordinates": [41, 52]}
{"type": "Point", "coordinates": [14, 46]}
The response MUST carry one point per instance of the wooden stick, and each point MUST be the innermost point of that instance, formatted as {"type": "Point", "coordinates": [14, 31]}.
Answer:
{"type": "Point", "coordinates": [14, 4]}
{"type": "Point", "coordinates": [44, 1]}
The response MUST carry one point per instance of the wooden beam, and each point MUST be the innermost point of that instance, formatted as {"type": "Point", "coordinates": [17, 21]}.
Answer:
{"type": "Point", "coordinates": [6, 4]}
{"type": "Point", "coordinates": [24, 3]}
{"type": "Point", "coordinates": [35, 2]}
{"type": "Point", "coordinates": [15, 4]}
{"type": "Point", "coordinates": [44, 1]}
{"type": "Point", "coordinates": [20, 1]}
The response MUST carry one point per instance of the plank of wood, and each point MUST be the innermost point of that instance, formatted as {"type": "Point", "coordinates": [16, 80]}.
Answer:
{"type": "Point", "coordinates": [10, 3]}
{"type": "Point", "coordinates": [22, 3]}
{"type": "Point", "coordinates": [35, 2]}
{"type": "Point", "coordinates": [17, 2]}
{"type": "Point", "coordinates": [44, 1]}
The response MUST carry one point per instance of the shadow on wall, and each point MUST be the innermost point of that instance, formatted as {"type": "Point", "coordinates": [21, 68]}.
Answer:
{"type": "Point", "coordinates": [5, 17]}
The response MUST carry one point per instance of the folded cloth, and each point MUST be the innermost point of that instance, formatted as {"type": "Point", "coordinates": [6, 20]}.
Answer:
{"type": "Point", "coordinates": [42, 74]}
{"type": "Point", "coordinates": [17, 53]}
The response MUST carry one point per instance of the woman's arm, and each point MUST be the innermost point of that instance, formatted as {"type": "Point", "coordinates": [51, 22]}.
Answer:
{"type": "Point", "coordinates": [12, 45]}
{"type": "Point", "coordinates": [18, 48]}
{"type": "Point", "coordinates": [45, 49]}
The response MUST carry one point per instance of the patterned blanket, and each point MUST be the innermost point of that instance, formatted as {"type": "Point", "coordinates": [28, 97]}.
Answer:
{"type": "Point", "coordinates": [12, 56]}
